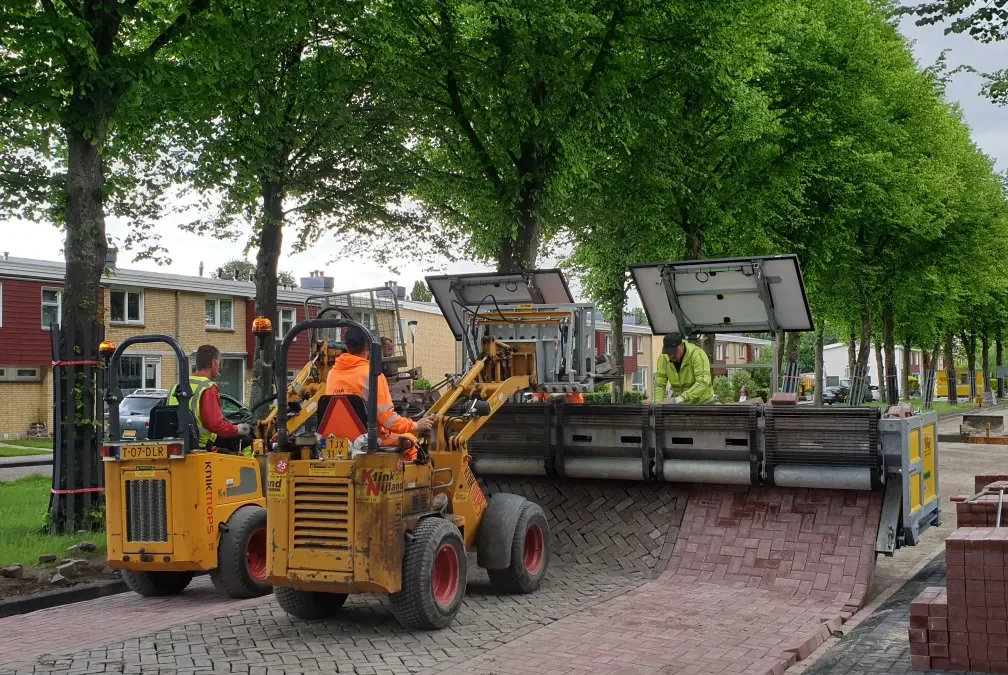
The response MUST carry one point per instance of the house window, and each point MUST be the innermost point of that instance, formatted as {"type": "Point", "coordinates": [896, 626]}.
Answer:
{"type": "Point", "coordinates": [741, 351]}
{"type": "Point", "coordinates": [639, 381]}
{"type": "Point", "coordinates": [719, 352]}
{"type": "Point", "coordinates": [3, 373]}
{"type": "Point", "coordinates": [608, 345]}
{"type": "Point", "coordinates": [126, 306]}
{"type": "Point", "coordinates": [220, 313]}
{"type": "Point", "coordinates": [640, 345]}
{"type": "Point", "coordinates": [756, 353]}
{"type": "Point", "coordinates": [231, 378]}
{"type": "Point", "coordinates": [26, 374]}
{"type": "Point", "coordinates": [130, 375]}
{"type": "Point", "coordinates": [365, 318]}
{"type": "Point", "coordinates": [627, 346]}
{"type": "Point", "coordinates": [52, 307]}
{"type": "Point", "coordinates": [285, 323]}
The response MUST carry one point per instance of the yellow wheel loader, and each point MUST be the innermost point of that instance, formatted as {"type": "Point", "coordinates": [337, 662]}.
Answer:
{"type": "Point", "coordinates": [346, 513]}
{"type": "Point", "coordinates": [174, 509]}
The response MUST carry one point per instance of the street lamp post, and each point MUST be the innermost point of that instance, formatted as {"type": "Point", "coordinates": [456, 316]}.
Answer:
{"type": "Point", "coordinates": [412, 329]}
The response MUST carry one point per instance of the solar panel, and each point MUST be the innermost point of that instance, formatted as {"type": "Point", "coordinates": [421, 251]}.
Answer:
{"type": "Point", "coordinates": [452, 292]}
{"type": "Point", "coordinates": [733, 295]}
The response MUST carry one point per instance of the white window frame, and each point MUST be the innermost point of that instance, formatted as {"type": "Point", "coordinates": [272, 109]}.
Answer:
{"type": "Point", "coordinates": [719, 352]}
{"type": "Point", "coordinates": [608, 344]}
{"type": "Point", "coordinates": [627, 346]}
{"type": "Point", "coordinates": [3, 373]}
{"type": "Point", "coordinates": [59, 305]}
{"type": "Point", "coordinates": [640, 345]}
{"type": "Point", "coordinates": [278, 331]}
{"type": "Point", "coordinates": [756, 353]}
{"type": "Point", "coordinates": [217, 299]}
{"type": "Point", "coordinates": [367, 319]}
{"type": "Point", "coordinates": [642, 373]}
{"type": "Point", "coordinates": [34, 377]}
{"type": "Point", "coordinates": [741, 353]}
{"type": "Point", "coordinates": [126, 321]}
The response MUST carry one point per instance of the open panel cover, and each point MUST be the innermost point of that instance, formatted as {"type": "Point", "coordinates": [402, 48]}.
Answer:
{"type": "Point", "coordinates": [732, 295]}
{"type": "Point", "coordinates": [453, 292]}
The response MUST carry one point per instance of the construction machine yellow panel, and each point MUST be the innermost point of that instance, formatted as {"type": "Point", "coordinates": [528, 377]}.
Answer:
{"type": "Point", "coordinates": [165, 514]}
{"type": "Point", "coordinates": [929, 473]}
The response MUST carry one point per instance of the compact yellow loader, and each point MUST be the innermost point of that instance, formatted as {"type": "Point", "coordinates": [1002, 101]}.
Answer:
{"type": "Point", "coordinates": [346, 514]}
{"type": "Point", "coordinates": [173, 509]}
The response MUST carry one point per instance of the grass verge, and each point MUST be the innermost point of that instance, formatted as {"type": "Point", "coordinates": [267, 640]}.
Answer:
{"type": "Point", "coordinates": [23, 507]}
{"type": "Point", "coordinates": [940, 407]}
{"type": "Point", "coordinates": [22, 452]}
{"type": "Point", "coordinates": [34, 443]}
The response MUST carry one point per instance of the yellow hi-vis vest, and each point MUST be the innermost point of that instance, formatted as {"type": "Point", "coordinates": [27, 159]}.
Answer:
{"type": "Point", "coordinates": [198, 384]}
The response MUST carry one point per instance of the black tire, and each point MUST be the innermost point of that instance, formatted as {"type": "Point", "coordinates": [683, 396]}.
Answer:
{"type": "Point", "coordinates": [309, 605]}
{"type": "Point", "coordinates": [241, 572]}
{"type": "Point", "coordinates": [417, 606]}
{"type": "Point", "coordinates": [156, 584]}
{"type": "Point", "coordinates": [530, 553]}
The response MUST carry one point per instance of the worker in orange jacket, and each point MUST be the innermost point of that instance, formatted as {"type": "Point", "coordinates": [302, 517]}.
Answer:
{"type": "Point", "coordinates": [349, 375]}
{"type": "Point", "coordinates": [575, 397]}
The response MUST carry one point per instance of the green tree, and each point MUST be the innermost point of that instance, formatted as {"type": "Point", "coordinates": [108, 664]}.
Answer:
{"type": "Point", "coordinates": [69, 75]}
{"type": "Point", "coordinates": [280, 131]}
{"type": "Point", "coordinates": [244, 270]}
{"type": "Point", "coordinates": [640, 316]}
{"type": "Point", "coordinates": [420, 292]}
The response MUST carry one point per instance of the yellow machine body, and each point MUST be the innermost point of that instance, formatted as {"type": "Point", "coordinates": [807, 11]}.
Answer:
{"type": "Point", "coordinates": [165, 514]}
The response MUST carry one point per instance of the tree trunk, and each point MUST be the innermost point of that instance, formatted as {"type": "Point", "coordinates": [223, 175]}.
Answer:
{"type": "Point", "coordinates": [950, 374]}
{"type": "Point", "coordinates": [84, 249]}
{"type": "Point", "coordinates": [694, 251]}
{"type": "Point", "coordinates": [267, 260]}
{"type": "Point", "coordinates": [985, 359]}
{"type": "Point", "coordinates": [998, 354]}
{"type": "Point", "coordinates": [889, 344]}
{"type": "Point", "coordinates": [880, 370]}
{"type": "Point", "coordinates": [851, 354]}
{"type": "Point", "coordinates": [865, 347]}
{"type": "Point", "coordinates": [817, 395]}
{"type": "Point", "coordinates": [618, 356]}
{"type": "Point", "coordinates": [792, 344]}
{"type": "Point", "coordinates": [969, 342]}
{"type": "Point", "coordinates": [520, 252]}
{"type": "Point", "coordinates": [905, 379]}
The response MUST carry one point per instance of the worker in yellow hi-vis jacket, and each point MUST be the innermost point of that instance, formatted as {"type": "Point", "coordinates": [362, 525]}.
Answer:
{"type": "Point", "coordinates": [685, 369]}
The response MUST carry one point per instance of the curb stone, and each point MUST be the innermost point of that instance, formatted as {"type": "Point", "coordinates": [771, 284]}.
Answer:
{"type": "Point", "coordinates": [62, 596]}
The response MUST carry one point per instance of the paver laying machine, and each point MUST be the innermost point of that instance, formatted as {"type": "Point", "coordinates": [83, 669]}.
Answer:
{"type": "Point", "coordinates": [174, 509]}
{"type": "Point", "coordinates": [778, 444]}
{"type": "Point", "coordinates": [346, 514]}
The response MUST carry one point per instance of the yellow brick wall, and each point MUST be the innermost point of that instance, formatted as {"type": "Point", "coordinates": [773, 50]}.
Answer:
{"type": "Point", "coordinates": [436, 351]}
{"type": "Point", "coordinates": [23, 403]}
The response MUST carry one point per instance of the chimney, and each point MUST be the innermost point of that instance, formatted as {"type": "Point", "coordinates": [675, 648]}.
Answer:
{"type": "Point", "coordinates": [201, 268]}
{"type": "Point", "coordinates": [6, 255]}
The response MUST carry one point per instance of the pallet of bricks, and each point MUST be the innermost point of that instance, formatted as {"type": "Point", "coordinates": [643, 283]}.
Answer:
{"type": "Point", "coordinates": [964, 626]}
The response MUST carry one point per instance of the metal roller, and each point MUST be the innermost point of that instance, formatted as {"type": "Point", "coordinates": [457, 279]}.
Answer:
{"type": "Point", "coordinates": [706, 471]}
{"type": "Point", "coordinates": [833, 477]}
{"type": "Point", "coordinates": [509, 466]}
{"type": "Point", "coordinates": [603, 467]}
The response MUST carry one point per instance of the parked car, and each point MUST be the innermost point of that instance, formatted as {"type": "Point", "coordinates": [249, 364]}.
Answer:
{"type": "Point", "coordinates": [134, 411]}
{"type": "Point", "coordinates": [833, 395]}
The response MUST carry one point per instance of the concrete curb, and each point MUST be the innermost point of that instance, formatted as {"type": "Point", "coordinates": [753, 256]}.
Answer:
{"type": "Point", "coordinates": [61, 596]}
{"type": "Point", "coordinates": [19, 462]}
{"type": "Point", "coordinates": [864, 613]}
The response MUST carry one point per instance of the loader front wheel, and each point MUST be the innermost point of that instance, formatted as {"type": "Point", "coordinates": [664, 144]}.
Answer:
{"type": "Point", "coordinates": [530, 552]}
{"type": "Point", "coordinates": [156, 584]}
{"type": "Point", "coordinates": [434, 577]}
{"type": "Point", "coordinates": [241, 555]}
{"type": "Point", "coordinates": [309, 605]}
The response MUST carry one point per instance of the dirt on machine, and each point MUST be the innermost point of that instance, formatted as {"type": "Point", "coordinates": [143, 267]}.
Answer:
{"type": "Point", "coordinates": [347, 515]}
{"type": "Point", "coordinates": [175, 509]}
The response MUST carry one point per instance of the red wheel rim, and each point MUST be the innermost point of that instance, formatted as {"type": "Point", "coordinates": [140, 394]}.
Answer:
{"type": "Point", "coordinates": [534, 550]}
{"type": "Point", "coordinates": [255, 554]}
{"type": "Point", "coordinates": [445, 579]}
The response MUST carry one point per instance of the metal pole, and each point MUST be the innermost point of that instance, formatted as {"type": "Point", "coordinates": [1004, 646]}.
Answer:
{"type": "Point", "coordinates": [775, 371]}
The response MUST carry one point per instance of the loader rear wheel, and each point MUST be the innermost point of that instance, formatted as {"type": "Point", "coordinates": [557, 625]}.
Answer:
{"type": "Point", "coordinates": [156, 584]}
{"type": "Point", "coordinates": [309, 605]}
{"type": "Point", "coordinates": [530, 552]}
{"type": "Point", "coordinates": [241, 555]}
{"type": "Point", "coordinates": [434, 577]}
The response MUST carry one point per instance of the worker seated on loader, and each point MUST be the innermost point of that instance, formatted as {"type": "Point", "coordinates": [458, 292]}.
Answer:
{"type": "Point", "coordinates": [685, 369]}
{"type": "Point", "coordinates": [205, 404]}
{"type": "Point", "coordinates": [349, 376]}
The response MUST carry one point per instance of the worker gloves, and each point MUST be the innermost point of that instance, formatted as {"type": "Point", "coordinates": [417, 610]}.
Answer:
{"type": "Point", "coordinates": [244, 429]}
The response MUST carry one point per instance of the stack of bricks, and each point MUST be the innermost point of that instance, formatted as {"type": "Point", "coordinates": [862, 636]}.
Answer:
{"type": "Point", "coordinates": [965, 626]}
{"type": "Point", "coordinates": [982, 511]}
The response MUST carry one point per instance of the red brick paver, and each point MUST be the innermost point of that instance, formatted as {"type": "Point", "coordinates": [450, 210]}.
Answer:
{"type": "Point", "coordinates": [92, 624]}
{"type": "Point", "coordinates": [758, 580]}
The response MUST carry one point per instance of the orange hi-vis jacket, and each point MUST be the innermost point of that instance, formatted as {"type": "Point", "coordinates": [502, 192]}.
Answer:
{"type": "Point", "coordinates": [349, 375]}
{"type": "Point", "coordinates": [576, 397]}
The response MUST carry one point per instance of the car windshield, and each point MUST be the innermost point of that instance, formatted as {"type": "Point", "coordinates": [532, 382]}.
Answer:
{"type": "Point", "coordinates": [137, 405]}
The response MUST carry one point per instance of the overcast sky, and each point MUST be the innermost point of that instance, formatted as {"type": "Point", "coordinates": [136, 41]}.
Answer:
{"type": "Point", "coordinates": [28, 240]}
